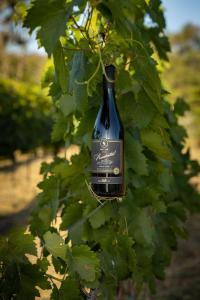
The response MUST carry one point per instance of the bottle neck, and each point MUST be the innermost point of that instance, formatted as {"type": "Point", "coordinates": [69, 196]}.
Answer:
{"type": "Point", "coordinates": [108, 90]}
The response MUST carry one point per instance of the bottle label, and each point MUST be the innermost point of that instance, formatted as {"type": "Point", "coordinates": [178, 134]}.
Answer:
{"type": "Point", "coordinates": [107, 156]}
{"type": "Point", "coordinates": [109, 180]}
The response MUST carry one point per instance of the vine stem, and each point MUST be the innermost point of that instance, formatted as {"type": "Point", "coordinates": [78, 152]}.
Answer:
{"type": "Point", "coordinates": [103, 67]}
{"type": "Point", "coordinates": [75, 49]}
{"type": "Point", "coordinates": [65, 273]}
{"type": "Point", "coordinates": [126, 225]}
{"type": "Point", "coordinates": [100, 63]}
{"type": "Point", "coordinates": [98, 198]}
{"type": "Point", "coordinates": [87, 25]}
{"type": "Point", "coordinates": [90, 79]}
{"type": "Point", "coordinates": [82, 31]}
{"type": "Point", "coordinates": [53, 277]}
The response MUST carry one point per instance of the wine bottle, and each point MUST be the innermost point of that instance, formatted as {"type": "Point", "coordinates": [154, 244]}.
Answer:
{"type": "Point", "coordinates": [107, 178]}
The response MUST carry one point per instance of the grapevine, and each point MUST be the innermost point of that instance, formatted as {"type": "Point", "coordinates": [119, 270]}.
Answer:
{"type": "Point", "coordinates": [93, 246]}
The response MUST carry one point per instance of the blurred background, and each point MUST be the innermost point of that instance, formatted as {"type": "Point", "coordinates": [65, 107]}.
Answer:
{"type": "Point", "coordinates": [26, 121]}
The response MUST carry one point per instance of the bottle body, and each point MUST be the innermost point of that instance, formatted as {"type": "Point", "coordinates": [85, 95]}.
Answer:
{"type": "Point", "coordinates": [107, 178]}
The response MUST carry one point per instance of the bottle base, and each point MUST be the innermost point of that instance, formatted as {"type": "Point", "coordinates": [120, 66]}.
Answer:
{"type": "Point", "coordinates": [108, 191]}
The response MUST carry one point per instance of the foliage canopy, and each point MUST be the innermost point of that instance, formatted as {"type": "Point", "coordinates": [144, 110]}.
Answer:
{"type": "Point", "coordinates": [25, 117]}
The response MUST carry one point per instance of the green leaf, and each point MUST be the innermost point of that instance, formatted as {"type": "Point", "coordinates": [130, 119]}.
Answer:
{"type": "Point", "coordinates": [55, 244]}
{"type": "Point", "coordinates": [45, 215]}
{"type": "Point", "coordinates": [141, 228]}
{"type": "Point", "coordinates": [156, 13]}
{"type": "Point", "coordinates": [108, 288]}
{"type": "Point", "coordinates": [98, 219]}
{"type": "Point", "coordinates": [58, 265]}
{"type": "Point", "coordinates": [85, 263]}
{"type": "Point", "coordinates": [124, 14]}
{"type": "Point", "coordinates": [31, 277]}
{"type": "Point", "coordinates": [77, 70]}
{"type": "Point", "coordinates": [158, 122]}
{"type": "Point", "coordinates": [60, 128]}
{"type": "Point", "coordinates": [51, 17]}
{"type": "Point", "coordinates": [166, 180]}
{"type": "Point", "coordinates": [161, 43]}
{"type": "Point", "coordinates": [118, 256]}
{"type": "Point", "coordinates": [60, 67]}
{"type": "Point", "coordinates": [67, 104]}
{"type": "Point", "coordinates": [16, 245]}
{"type": "Point", "coordinates": [49, 196]}
{"type": "Point", "coordinates": [76, 79]}
{"type": "Point", "coordinates": [65, 170]}
{"type": "Point", "coordinates": [103, 215]}
{"type": "Point", "coordinates": [161, 260]}
{"type": "Point", "coordinates": [145, 196]}
{"type": "Point", "coordinates": [43, 264]}
{"type": "Point", "coordinates": [156, 144]}
{"type": "Point", "coordinates": [136, 110]}
{"type": "Point", "coordinates": [148, 77]}
{"type": "Point", "coordinates": [23, 243]}
{"type": "Point", "coordinates": [69, 290]}
{"type": "Point", "coordinates": [73, 214]}
{"type": "Point", "coordinates": [159, 206]}
{"type": "Point", "coordinates": [178, 133]}
{"type": "Point", "coordinates": [125, 83]}
{"type": "Point", "coordinates": [135, 158]}
{"type": "Point", "coordinates": [86, 126]}
{"type": "Point", "coordinates": [180, 107]}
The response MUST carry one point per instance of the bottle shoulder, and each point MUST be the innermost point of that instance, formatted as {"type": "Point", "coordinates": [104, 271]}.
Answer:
{"type": "Point", "coordinates": [108, 124]}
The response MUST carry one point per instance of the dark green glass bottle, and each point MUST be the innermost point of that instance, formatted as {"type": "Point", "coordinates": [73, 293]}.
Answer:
{"type": "Point", "coordinates": [107, 178]}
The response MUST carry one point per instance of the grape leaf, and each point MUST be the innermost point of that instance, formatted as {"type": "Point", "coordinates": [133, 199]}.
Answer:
{"type": "Point", "coordinates": [55, 245]}
{"type": "Point", "coordinates": [85, 262]}
{"type": "Point", "coordinates": [60, 67]}
{"type": "Point", "coordinates": [166, 180]}
{"type": "Point", "coordinates": [180, 107]}
{"type": "Point", "coordinates": [35, 274]}
{"type": "Point", "coordinates": [45, 215]}
{"type": "Point", "coordinates": [135, 158]}
{"type": "Point", "coordinates": [178, 133]}
{"type": "Point", "coordinates": [145, 196]}
{"type": "Point", "coordinates": [156, 143]}
{"type": "Point", "coordinates": [69, 290]}
{"type": "Point", "coordinates": [98, 219]}
{"type": "Point", "coordinates": [51, 17]}
{"type": "Point", "coordinates": [136, 110]}
{"type": "Point", "coordinates": [76, 79]}
{"type": "Point", "coordinates": [149, 79]}
{"type": "Point", "coordinates": [141, 228]}
{"type": "Point", "coordinates": [156, 13]}
{"type": "Point", "coordinates": [16, 245]}
{"type": "Point", "coordinates": [161, 259]}
{"type": "Point", "coordinates": [103, 215]}
{"type": "Point", "coordinates": [72, 214]}
{"type": "Point", "coordinates": [60, 127]}
{"type": "Point", "coordinates": [125, 83]}
{"type": "Point", "coordinates": [118, 255]}
{"type": "Point", "coordinates": [43, 264]}
{"type": "Point", "coordinates": [67, 104]}
{"type": "Point", "coordinates": [50, 195]}
{"type": "Point", "coordinates": [159, 122]}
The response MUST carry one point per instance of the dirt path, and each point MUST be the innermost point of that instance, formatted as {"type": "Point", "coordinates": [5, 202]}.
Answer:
{"type": "Point", "coordinates": [18, 187]}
